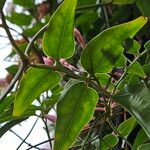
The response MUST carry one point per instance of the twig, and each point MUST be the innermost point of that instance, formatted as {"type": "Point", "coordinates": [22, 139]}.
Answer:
{"type": "Point", "coordinates": [11, 85]}
{"type": "Point", "coordinates": [35, 37]}
{"type": "Point", "coordinates": [47, 131]}
{"type": "Point", "coordinates": [39, 144]}
{"type": "Point", "coordinates": [89, 134]}
{"type": "Point", "coordinates": [17, 49]}
{"type": "Point", "coordinates": [28, 134]}
{"type": "Point", "coordinates": [75, 76]}
{"type": "Point", "coordinates": [19, 137]}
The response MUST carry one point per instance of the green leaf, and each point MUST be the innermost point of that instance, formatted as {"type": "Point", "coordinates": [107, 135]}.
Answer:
{"type": "Point", "coordinates": [84, 19]}
{"type": "Point", "coordinates": [126, 127]}
{"type": "Point", "coordinates": [6, 104]}
{"type": "Point", "coordinates": [33, 30]}
{"type": "Point", "coordinates": [132, 46]}
{"type": "Point", "coordinates": [123, 2]}
{"type": "Point", "coordinates": [147, 45]}
{"type": "Point", "coordinates": [12, 69]}
{"type": "Point", "coordinates": [24, 3]}
{"type": "Point", "coordinates": [144, 6]}
{"type": "Point", "coordinates": [104, 51]}
{"type": "Point", "coordinates": [135, 98]}
{"type": "Point", "coordinates": [20, 19]}
{"type": "Point", "coordinates": [141, 137]}
{"type": "Point", "coordinates": [74, 110]}
{"type": "Point", "coordinates": [9, 125]}
{"type": "Point", "coordinates": [58, 40]}
{"type": "Point", "coordinates": [137, 69]}
{"type": "Point", "coordinates": [130, 79]}
{"type": "Point", "coordinates": [103, 78]}
{"type": "Point", "coordinates": [87, 2]}
{"type": "Point", "coordinates": [144, 147]}
{"type": "Point", "coordinates": [34, 82]}
{"type": "Point", "coordinates": [109, 141]}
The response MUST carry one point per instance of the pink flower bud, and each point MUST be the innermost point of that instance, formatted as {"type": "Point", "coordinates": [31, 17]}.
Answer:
{"type": "Point", "coordinates": [48, 61]}
{"type": "Point", "coordinates": [51, 118]}
{"type": "Point", "coordinates": [79, 37]}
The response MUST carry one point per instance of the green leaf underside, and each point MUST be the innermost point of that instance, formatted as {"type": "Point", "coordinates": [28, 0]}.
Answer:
{"type": "Point", "coordinates": [104, 51]}
{"type": "Point", "coordinates": [74, 110]}
{"type": "Point", "coordinates": [58, 40]}
{"type": "Point", "coordinates": [109, 141]}
{"type": "Point", "coordinates": [33, 84]}
{"type": "Point", "coordinates": [135, 98]}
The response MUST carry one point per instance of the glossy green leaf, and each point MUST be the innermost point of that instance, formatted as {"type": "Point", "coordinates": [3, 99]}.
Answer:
{"type": "Point", "coordinates": [20, 19]}
{"type": "Point", "coordinates": [74, 110]}
{"type": "Point", "coordinates": [141, 137]}
{"type": "Point", "coordinates": [105, 51]}
{"type": "Point", "coordinates": [144, 147]}
{"type": "Point", "coordinates": [34, 82]}
{"type": "Point", "coordinates": [24, 3]}
{"type": "Point", "coordinates": [137, 69]}
{"type": "Point", "coordinates": [108, 142]}
{"type": "Point", "coordinates": [9, 125]}
{"type": "Point", "coordinates": [135, 98]}
{"type": "Point", "coordinates": [144, 6]}
{"type": "Point", "coordinates": [58, 40]}
{"type": "Point", "coordinates": [127, 126]}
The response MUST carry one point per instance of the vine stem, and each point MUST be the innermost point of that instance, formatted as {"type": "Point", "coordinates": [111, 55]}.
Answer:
{"type": "Point", "coordinates": [17, 49]}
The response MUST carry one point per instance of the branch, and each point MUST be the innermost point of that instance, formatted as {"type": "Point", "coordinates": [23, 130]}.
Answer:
{"type": "Point", "coordinates": [71, 74]}
{"type": "Point", "coordinates": [17, 49]}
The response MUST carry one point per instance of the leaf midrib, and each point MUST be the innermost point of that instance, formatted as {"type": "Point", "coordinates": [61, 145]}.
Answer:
{"type": "Point", "coordinates": [65, 24]}
{"type": "Point", "coordinates": [72, 118]}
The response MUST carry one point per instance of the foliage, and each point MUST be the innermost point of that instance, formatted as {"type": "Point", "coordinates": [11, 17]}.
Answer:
{"type": "Point", "coordinates": [88, 59]}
